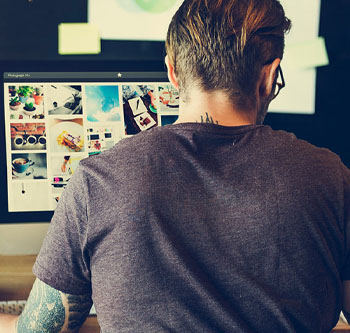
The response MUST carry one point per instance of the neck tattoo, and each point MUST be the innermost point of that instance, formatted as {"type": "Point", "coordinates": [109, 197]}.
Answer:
{"type": "Point", "coordinates": [208, 120]}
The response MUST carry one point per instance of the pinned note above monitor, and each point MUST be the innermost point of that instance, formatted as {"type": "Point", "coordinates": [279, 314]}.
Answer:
{"type": "Point", "coordinates": [78, 38]}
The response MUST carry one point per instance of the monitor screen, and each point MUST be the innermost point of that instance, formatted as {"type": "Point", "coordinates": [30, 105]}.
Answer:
{"type": "Point", "coordinates": [53, 119]}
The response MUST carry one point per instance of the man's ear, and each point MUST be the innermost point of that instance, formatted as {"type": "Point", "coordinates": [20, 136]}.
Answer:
{"type": "Point", "coordinates": [171, 73]}
{"type": "Point", "coordinates": [268, 78]}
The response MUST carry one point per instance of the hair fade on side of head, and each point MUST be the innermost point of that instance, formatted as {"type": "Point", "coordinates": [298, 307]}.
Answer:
{"type": "Point", "coordinates": [223, 44]}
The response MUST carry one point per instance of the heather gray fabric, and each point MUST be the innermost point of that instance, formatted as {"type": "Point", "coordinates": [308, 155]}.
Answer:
{"type": "Point", "coordinates": [204, 228]}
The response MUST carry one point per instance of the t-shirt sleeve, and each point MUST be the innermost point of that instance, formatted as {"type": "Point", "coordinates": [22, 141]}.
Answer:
{"type": "Point", "coordinates": [63, 261]}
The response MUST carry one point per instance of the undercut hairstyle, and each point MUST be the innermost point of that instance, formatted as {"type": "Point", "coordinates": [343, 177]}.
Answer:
{"type": "Point", "coordinates": [223, 45]}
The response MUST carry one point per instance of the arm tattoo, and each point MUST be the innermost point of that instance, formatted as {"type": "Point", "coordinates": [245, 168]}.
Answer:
{"type": "Point", "coordinates": [79, 308]}
{"type": "Point", "coordinates": [50, 310]}
{"type": "Point", "coordinates": [208, 120]}
{"type": "Point", "coordinates": [44, 311]}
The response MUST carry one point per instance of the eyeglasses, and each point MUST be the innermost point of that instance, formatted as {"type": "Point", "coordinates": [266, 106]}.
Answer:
{"type": "Point", "coordinates": [279, 85]}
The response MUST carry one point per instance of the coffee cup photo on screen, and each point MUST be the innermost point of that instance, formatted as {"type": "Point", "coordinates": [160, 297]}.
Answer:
{"type": "Point", "coordinates": [29, 166]}
{"type": "Point", "coordinates": [64, 100]}
{"type": "Point", "coordinates": [66, 135]}
{"type": "Point", "coordinates": [102, 103]}
{"type": "Point", "coordinates": [140, 108]}
{"type": "Point", "coordinates": [28, 136]}
{"type": "Point", "coordinates": [26, 102]}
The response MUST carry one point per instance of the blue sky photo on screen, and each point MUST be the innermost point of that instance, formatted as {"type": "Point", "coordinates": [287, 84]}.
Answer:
{"type": "Point", "coordinates": [102, 103]}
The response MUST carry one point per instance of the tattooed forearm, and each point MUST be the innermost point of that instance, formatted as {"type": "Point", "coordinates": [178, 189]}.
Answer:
{"type": "Point", "coordinates": [50, 310]}
{"type": "Point", "coordinates": [79, 308]}
{"type": "Point", "coordinates": [44, 311]}
{"type": "Point", "coordinates": [208, 120]}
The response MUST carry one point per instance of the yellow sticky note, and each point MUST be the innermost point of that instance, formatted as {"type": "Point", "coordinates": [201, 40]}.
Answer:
{"type": "Point", "coordinates": [78, 38]}
{"type": "Point", "coordinates": [309, 54]}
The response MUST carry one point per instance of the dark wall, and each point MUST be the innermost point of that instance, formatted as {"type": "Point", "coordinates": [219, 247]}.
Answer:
{"type": "Point", "coordinates": [28, 31]}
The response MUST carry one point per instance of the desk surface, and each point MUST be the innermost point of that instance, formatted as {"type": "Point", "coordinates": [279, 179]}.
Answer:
{"type": "Point", "coordinates": [16, 280]}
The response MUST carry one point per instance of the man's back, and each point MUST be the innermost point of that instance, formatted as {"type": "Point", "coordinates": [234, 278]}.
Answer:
{"type": "Point", "coordinates": [205, 228]}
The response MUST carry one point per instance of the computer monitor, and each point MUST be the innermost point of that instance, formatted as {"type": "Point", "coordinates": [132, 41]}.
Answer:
{"type": "Point", "coordinates": [58, 114]}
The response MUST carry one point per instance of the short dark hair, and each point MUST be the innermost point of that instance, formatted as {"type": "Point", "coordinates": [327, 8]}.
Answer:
{"type": "Point", "coordinates": [223, 44]}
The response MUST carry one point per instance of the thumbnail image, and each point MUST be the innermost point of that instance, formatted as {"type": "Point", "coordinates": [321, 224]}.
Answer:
{"type": "Point", "coordinates": [168, 98]}
{"type": "Point", "coordinates": [102, 103]}
{"type": "Point", "coordinates": [66, 135]}
{"type": "Point", "coordinates": [29, 196]}
{"type": "Point", "coordinates": [26, 102]}
{"type": "Point", "coordinates": [140, 108]}
{"type": "Point", "coordinates": [64, 100]}
{"type": "Point", "coordinates": [168, 120]}
{"type": "Point", "coordinates": [101, 138]}
{"type": "Point", "coordinates": [29, 166]}
{"type": "Point", "coordinates": [28, 136]}
{"type": "Point", "coordinates": [62, 169]}
{"type": "Point", "coordinates": [56, 195]}
{"type": "Point", "coordinates": [144, 121]}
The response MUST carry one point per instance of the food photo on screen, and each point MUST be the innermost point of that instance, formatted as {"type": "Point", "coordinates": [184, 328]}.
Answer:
{"type": "Point", "coordinates": [26, 102]}
{"type": "Point", "coordinates": [66, 135]}
{"type": "Point", "coordinates": [28, 136]}
{"type": "Point", "coordinates": [140, 108]}
{"type": "Point", "coordinates": [64, 100]}
{"type": "Point", "coordinates": [29, 166]}
{"type": "Point", "coordinates": [102, 103]}
{"type": "Point", "coordinates": [168, 98]}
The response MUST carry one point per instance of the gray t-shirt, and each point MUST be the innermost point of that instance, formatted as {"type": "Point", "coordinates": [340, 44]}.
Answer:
{"type": "Point", "coordinates": [204, 228]}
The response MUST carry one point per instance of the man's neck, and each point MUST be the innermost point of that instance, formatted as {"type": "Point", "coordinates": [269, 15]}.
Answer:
{"type": "Point", "coordinates": [213, 107]}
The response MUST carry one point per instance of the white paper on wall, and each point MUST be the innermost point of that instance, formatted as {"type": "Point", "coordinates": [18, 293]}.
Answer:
{"type": "Point", "coordinates": [132, 19]}
{"type": "Point", "coordinates": [300, 92]}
